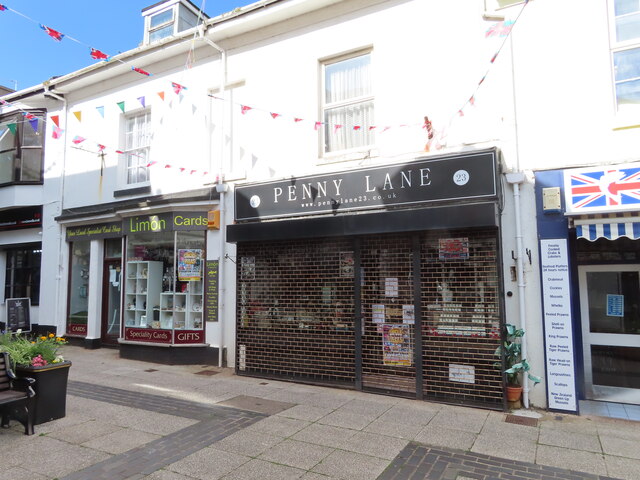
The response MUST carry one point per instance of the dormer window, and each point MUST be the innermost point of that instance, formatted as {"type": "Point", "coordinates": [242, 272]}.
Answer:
{"type": "Point", "coordinates": [168, 18]}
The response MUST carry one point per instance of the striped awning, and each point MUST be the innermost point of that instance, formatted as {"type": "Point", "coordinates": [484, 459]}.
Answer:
{"type": "Point", "coordinates": [610, 228]}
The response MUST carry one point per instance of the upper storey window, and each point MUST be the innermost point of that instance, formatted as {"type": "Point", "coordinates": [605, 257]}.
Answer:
{"type": "Point", "coordinates": [21, 152]}
{"type": "Point", "coordinates": [625, 41]}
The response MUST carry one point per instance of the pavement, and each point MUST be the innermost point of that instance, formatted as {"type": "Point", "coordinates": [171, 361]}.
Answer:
{"type": "Point", "coordinates": [128, 419]}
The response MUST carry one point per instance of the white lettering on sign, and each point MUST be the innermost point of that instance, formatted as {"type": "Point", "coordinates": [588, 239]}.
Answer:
{"type": "Point", "coordinates": [556, 292]}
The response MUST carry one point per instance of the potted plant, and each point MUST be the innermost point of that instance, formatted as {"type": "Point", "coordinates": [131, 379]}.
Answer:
{"type": "Point", "coordinates": [38, 357]}
{"type": "Point", "coordinates": [514, 363]}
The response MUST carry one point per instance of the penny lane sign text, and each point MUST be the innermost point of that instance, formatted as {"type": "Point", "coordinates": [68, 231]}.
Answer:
{"type": "Point", "coordinates": [449, 178]}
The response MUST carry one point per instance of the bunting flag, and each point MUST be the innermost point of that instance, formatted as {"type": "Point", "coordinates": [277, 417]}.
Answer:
{"type": "Point", "coordinates": [336, 128]}
{"type": "Point", "coordinates": [296, 119]}
{"type": "Point", "coordinates": [98, 55]}
{"type": "Point", "coordinates": [34, 124]}
{"type": "Point", "coordinates": [244, 109]}
{"type": "Point", "coordinates": [500, 29]}
{"type": "Point", "coordinates": [177, 88]}
{"type": "Point", "coordinates": [161, 95]}
{"type": "Point", "coordinates": [317, 125]}
{"type": "Point", "coordinates": [78, 139]}
{"type": "Point", "coordinates": [101, 148]}
{"type": "Point", "coordinates": [142, 101]}
{"type": "Point", "coordinates": [275, 115]}
{"type": "Point", "coordinates": [139, 70]}
{"type": "Point", "coordinates": [55, 119]}
{"type": "Point", "coordinates": [78, 115]}
{"type": "Point", "coordinates": [100, 111]}
{"type": "Point", "coordinates": [57, 132]}
{"type": "Point", "coordinates": [52, 33]}
{"type": "Point", "coordinates": [28, 116]}
{"type": "Point", "coordinates": [2, 8]}
{"type": "Point", "coordinates": [12, 127]}
{"type": "Point", "coordinates": [121, 105]}
{"type": "Point", "coordinates": [357, 127]}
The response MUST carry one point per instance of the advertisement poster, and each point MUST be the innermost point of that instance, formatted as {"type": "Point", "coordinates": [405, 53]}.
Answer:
{"type": "Point", "coordinates": [396, 345]}
{"type": "Point", "coordinates": [408, 314]}
{"type": "Point", "coordinates": [453, 249]}
{"type": "Point", "coordinates": [391, 287]}
{"type": "Point", "coordinates": [189, 264]}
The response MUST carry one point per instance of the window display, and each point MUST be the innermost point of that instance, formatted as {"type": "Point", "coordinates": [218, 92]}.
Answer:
{"type": "Point", "coordinates": [164, 287]}
{"type": "Point", "coordinates": [79, 288]}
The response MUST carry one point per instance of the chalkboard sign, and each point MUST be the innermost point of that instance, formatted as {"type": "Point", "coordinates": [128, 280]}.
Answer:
{"type": "Point", "coordinates": [18, 314]}
{"type": "Point", "coordinates": [211, 290]}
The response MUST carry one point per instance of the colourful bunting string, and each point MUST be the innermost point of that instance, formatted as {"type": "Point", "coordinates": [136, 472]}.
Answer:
{"type": "Point", "coordinates": [78, 115]}
{"type": "Point", "coordinates": [121, 105]}
{"type": "Point", "coordinates": [98, 55]}
{"type": "Point", "coordinates": [34, 124]}
{"type": "Point", "coordinates": [296, 119]}
{"type": "Point", "coordinates": [52, 33]}
{"type": "Point", "coordinates": [142, 101]}
{"type": "Point", "coordinates": [78, 139]}
{"type": "Point", "coordinates": [2, 8]}
{"type": "Point", "coordinates": [500, 29]}
{"type": "Point", "coordinates": [275, 115]}
{"type": "Point", "coordinates": [28, 116]}
{"type": "Point", "coordinates": [12, 127]}
{"type": "Point", "coordinates": [161, 95]}
{"type": "Point", "coordinates": [101, 148]}
{"type": "Point", "coordinates": [100, 110]}
{"type": "Point", "coordinates": [317, 125]}
{"type": "Point", "coordinates": [244, 109]}
{"type": "Point", "coordinates": [56, 120]}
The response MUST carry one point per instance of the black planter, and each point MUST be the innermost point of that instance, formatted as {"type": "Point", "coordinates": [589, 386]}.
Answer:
{"type": "Point", "coordinates": [50, 388]}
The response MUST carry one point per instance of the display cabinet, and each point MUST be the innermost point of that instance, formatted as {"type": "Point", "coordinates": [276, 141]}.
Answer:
{"type": "Point", "coordinates": [182, 310]}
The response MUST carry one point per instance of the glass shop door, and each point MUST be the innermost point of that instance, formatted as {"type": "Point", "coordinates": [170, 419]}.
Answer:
{"type": "Point", "coordinates": [610, 306]}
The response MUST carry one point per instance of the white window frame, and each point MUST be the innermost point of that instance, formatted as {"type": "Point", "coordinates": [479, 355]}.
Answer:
{"type": "Point", "coordinates": [629, 112]}
{"type": "Point", "coordinates": [150, 30]}
{"type": "Point", "coordinates": [136, 155]}
{"type": "Point", "coordinates": [352, 152]}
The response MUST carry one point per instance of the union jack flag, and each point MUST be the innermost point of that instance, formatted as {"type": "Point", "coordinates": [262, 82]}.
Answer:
{"type": "Point", "coordinates": [607, 189]}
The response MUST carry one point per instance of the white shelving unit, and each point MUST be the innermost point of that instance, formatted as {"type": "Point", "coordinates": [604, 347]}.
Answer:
{"type": "Point", "coordinates": [142, 292]}
{"type": "Point", "coordinates": [184, 310]}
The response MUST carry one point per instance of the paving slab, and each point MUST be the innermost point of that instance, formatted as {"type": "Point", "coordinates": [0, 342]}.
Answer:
{"type": "Point", "coordinates": [351, 466]}
{"type": "Point", "coordinates": [571, 459]}
{"type": "Point", "coordinates": [392, 429]}
{"type": "Point", "coordinates": [261, 470]}
{"type": "Point", "coordinates": [465, 420]}
{"type": "Point", "coordinates": [120, 441]}
{"type": "Point", "coordinates": [208, 464]}
{"type": "Point", "coordinates": [620, 447]}
{"type": "Point", "coordinates": [572, 440]}
{"type": "Point", "coordinates": [326, 435]}
{"type": "Point", "coordinates": [296, 454]}
{"type": "Point", "coordinates": [444, 437]}
{"type": "Point", "coordinates": [309, 413]}
{"type": "Point", "coordinates": [512, 448]}
{"type": "Point", "coordinates": [620, 467]}
{"type": "Point", "coordinates": [280, 426]}
{"type": "Point", "coordinates": [347, 419]}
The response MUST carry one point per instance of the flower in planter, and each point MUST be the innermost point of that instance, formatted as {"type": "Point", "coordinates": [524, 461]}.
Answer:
{"type": "Point", "coordinates": [35, 351]}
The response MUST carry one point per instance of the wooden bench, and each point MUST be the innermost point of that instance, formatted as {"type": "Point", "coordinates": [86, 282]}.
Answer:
{"type": "Point", "coordinates": [16, 396]}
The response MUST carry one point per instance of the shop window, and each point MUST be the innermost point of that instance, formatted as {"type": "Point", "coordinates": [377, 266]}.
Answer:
{"type": "Point", "coordinates": [137, 141]}
{"type": "Point", "coordinates": [79, 287]}
{"type": "Point", "coordinates": [625, 51]}
{"type": "Point", "coordinates": [21, 142]}
{"type": "Point", "coordinates": [22, 276]}
{"type": "Point", "coordinates": [347, 103]}
{"type": "Point", "coordinates": [164, 283]}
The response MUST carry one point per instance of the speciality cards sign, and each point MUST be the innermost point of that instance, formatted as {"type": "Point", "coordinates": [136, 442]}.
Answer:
{"type": "Point", "coordinates": [602, 189]}
{"type": "Point", "coordinates": [469, 176]}
{"type": "Point", "coordinates": [95, 231]}
{"type": "Point", "coordinates": [556, 291]}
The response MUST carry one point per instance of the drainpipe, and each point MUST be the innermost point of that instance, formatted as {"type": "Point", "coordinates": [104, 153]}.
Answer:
{"type": "Point", "coordinates": [516, 179]}
{"type": "Point", "coordinates": [49, 93]}
{"type": "Point", "coordinates": [221, 188]}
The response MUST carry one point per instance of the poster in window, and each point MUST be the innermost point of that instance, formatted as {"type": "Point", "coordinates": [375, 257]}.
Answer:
{"type": "Point", "coordinates": [396, 345]}
{"type": "Point", "coordinates": [408, 314]}
{"type": "Point", "coordinates": [453, 249]}
{"type": "Point", "coordinates": [377, 313]}
{"type": "Point", "coordinates": [189, 264]}
{"type": "Point", "coordinates": [347, 264]}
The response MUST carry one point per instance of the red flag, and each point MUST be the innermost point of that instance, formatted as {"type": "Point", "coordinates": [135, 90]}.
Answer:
{"type": "Point", "coordinates": [297, 119]}
{"type": "Point", "coordinates": [357, 127]}
{"type": "Point", "coordinates": [98, 55]}
{"type": "Point", "coordinates": [101, 147]}
{"type": "Point", "coordinates": [177, 87]}
{"type": "Point", "coordinates": [56, 120]}
{"type": "Point", "coordinates": [120, 152]}
{"type": "Point", "coordinates": [53, 33]}
{"type": "Point", "coordinates": [192, 172]}
{"type": "Point", "coordinates": [29, 116]}
{"type": "Point", "coordinates": [78, 139]}
{"type": "Point", "coordinates": [244, 109]}
{"type": "Point", "coordinates": [139, 70]}
{"type": "Point", "coordinates": [275, 115]}
{"type": "Point", "coordinates": [2, 8]}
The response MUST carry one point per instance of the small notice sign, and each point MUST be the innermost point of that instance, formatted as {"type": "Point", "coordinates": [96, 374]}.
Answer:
{"type": "Point", "coordinates": [18, 314]}
{"type": "Point", "coordinates": [615, 305]}
{"type": "Point", "coordinates": [211, 290]}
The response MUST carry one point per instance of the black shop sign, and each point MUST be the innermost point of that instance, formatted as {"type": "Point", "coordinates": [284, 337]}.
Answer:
{"type": "Point", "coordinates": [451, 178]}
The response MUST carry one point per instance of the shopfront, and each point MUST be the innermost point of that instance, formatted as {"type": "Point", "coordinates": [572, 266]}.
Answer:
{"type": "Point", "coordinates": [139, 283]}
{"type": "Point", "coordinates": [384, 279]}
{"type": "Point", "coordinates": [592, 304]}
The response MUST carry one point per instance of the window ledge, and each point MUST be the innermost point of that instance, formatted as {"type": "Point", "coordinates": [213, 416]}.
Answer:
{"type": "Point", "coordinates": [131, 191]}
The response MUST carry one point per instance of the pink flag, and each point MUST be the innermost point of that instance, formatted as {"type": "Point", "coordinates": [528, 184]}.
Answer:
{"type": "Point", "coordinates": [357, 127]}
{"type": "Point", "coordinates": [297, 119]}
{"type": "Point", "coordinates": [143, 72]}
{"type": "Point", "coordinates": [101, 148]}
{"type": "Point", "coordinates": [2, 8]}
{"type": "Point", "coordinates": [244, 109]}
{"type": "Point", "coordinates": [57, 132]}
{"type": "Point", "coordinates": [78, 139]}
{"type": "Point", "coordinates": [336, 128]}
{"type": "Point", "coordinates": [317, 125]}
{"type": "Point", "coordinates": [53, 33]}
{"type": "Point", "coordinates": [275, 115]}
